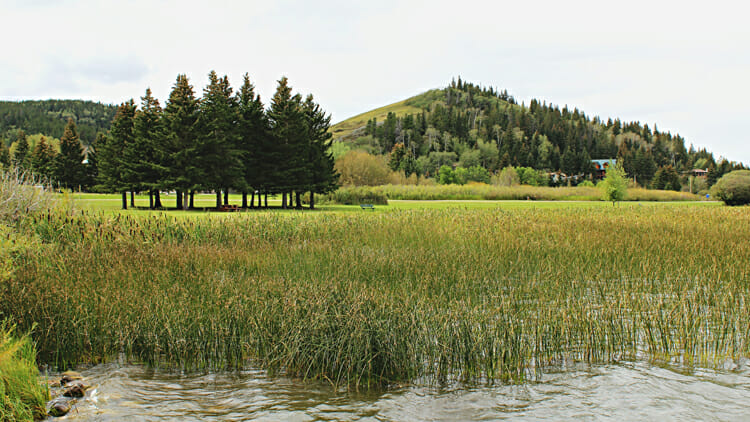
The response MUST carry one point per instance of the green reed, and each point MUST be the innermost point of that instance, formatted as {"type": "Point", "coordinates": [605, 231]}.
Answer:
{"type": "Point", "coordinates": [370, 299]}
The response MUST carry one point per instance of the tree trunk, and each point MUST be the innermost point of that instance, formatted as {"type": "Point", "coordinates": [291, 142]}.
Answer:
{"type": "Point", "coordinates": [124, 200]}
{"type": "Point", "coordinates": [157, 199]}
{"type": "Point", "coordinates": [312, 200]}
{"type": "Point", "coordinates": [266, 199]}
{"type": "Point", "coordinates": [244, 200]}
{"type": "Point", "coordinates": [150, 199]}
{"type": "Point", "coordinates": [226, 196]}
{"type": "Point", "coordinates": [283, 200]}
{"type": "Point", "coordinates": [218, 198]}
{"type": "Point", "coordinates": [298, 198]}
{"type": "Point", "coordinates": [132, 199]}
{"type": "Point", "coordinates": [252, 199]}
{"type": "Point", "coordinates": [178, 199]}
{"type": "Point", "coordinates": [192, 200]}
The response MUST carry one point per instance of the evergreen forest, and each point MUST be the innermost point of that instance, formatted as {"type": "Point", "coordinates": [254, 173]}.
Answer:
{"type": "Point", "coordinates": [473, 127]}
{"type": "Point", "coordinates": [219, 142]}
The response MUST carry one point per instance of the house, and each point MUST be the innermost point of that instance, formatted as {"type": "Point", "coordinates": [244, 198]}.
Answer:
{"type": "Point", "coordinates": [698, 173]}
{"type": "Point", "coordinates": [600, 167]}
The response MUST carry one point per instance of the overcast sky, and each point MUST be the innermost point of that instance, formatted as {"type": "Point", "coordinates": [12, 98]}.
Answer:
{"type": "Point", "coordinates": [685, 68]}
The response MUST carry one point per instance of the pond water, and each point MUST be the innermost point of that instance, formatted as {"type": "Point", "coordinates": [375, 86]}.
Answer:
{"type": "Point", "coordinates": [625, 391]}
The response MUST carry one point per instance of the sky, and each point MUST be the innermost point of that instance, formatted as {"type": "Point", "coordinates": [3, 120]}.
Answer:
{"type": "Point", "coordinates": [683, 68]}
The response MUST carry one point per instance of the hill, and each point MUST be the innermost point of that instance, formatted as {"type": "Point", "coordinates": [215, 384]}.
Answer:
{"type": "Point", "coordinates": [469, 125]}
{"type": "Point", "coordinates": [48, 117]}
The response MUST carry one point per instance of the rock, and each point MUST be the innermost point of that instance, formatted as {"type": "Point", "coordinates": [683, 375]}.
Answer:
{"type": "Point", "coordinates": [60, 406]}
{"type": "Point", "coordinates": [69, 377]}
{"type": "Point", "coordinates": [75, 389]}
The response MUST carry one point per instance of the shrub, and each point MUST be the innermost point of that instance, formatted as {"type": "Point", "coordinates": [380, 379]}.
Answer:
{"type": "Point", "coordinates": [358, 168]}
{"type": "Point", "coordinates": [734, 188]}
{"type": "Point", "coordinates": [356, 195]}
{"type": "Point", "coordinates": [614, 186]}
{"type": "Point", "coordinates": [22, 193]}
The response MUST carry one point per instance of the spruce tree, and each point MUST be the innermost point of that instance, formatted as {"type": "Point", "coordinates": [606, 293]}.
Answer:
{"type": "Point", "coordinates": [218, 144]}
{"type": "Point", "coordinates": [252, 131]}
{"type": "Point", "coordinates": [42, 158]}
{"type": "Point", "coordinates": [145, 156]}
{"type": "Point", "coordinates": [4, 155]}
{"type": "Point", "coordinates": [68, 166]}
{"type": "Point", "coordinates": [180, 116]}
{"type": "Point", "coordinates": [21, 154]}
{"type": "Point", "coordinates": [112, 173]}
{"type": "Point", "coordinates": [288, 125]}
{"type": "Point", "coordinates": [323, 177]}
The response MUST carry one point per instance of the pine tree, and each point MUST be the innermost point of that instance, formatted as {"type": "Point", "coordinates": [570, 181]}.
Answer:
{"type": "Point", "coordinates": [112, 173]}
{"type": "Point", "coordinates": [252, 130]}
{"type": "Point", "coordinates": [42, 158]}
{"type": "Point", "coordinates": [180, 116]}
{"type": "Point", "coordinates": [287, 125]}
{"type": "Point", "coordinates": [68, 166]}
{"type": "Point", "coordinates": [145, 156]}
{"type": "Point", "coordinates": [21, 154]}
{"type": "Point", "coordinates": [323, 176]}
{"type": "Point", "coordinates": [218, 141]}
{"type": "Point", "coordinates": [4, 155]}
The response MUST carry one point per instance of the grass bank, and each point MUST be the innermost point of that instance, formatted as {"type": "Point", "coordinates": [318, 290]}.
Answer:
{"type": "Point", "coordinates": [362, 194]}
{"type": "Point", "coordinates": [22, 395]}
{"type": "Point", "coordinates": [375, 298]}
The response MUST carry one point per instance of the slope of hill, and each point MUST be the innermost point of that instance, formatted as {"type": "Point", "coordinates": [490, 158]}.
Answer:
{"type": "Point", "coordinates": [49, 117]}
{"type": "Point", "coordinates": [470, 125]}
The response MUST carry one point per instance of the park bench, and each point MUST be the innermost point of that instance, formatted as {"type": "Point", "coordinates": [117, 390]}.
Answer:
{"type": "Point", "coordinates": [229, 208]}
{"type": "Point", "coordinates": [367, 207]}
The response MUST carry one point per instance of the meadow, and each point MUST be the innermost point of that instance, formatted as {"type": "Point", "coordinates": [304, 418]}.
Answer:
{"type": "Point", "coordinates": [403, 294]}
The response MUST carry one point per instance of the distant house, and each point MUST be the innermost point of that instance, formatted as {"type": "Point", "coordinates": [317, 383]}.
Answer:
{"type": "Point", "coordinates": [601, 167]}
{"type": "Point", "coordinates": [698, 172]}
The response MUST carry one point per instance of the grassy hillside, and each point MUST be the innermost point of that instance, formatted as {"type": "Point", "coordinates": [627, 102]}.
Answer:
{"type": "Point", "coordinates": [469, 125]}
{"type": "Point", "coordinates": [347, 129]}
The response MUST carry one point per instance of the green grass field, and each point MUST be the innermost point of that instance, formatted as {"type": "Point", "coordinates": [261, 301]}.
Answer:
{"type": "Point", "coordinates": [112, 203]}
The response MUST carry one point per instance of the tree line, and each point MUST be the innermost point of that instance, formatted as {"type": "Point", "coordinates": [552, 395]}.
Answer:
{"type": "Point", "coordinates": [50, 117]}
{"type": "Point", "coordinates": [220, 142]}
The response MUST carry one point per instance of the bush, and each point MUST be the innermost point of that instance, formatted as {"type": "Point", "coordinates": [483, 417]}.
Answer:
{"type": "Point", "coordinates": [356, 195]}
{"type": "Point", "coordinates": [358, 168]}
{"type": "Point", "coordinates": [21, 194]}
{"type": "Point", "coordinates": [734, 188]}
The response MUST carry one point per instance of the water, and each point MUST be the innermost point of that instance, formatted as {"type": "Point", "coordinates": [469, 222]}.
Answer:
{"type": "Point", "coordinates": [626, 391]}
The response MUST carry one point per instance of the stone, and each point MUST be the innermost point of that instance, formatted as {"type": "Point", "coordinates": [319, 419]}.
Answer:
{"type": "Point", "coordinates": [75, 389]}
{"type": "Point", "coordinates": [69, 376]}
{"type": "Point", "coordinates": [60, 406]}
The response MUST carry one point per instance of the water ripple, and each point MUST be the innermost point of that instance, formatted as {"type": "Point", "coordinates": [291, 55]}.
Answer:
{"type": "Point", "coordinates": [631, 391]}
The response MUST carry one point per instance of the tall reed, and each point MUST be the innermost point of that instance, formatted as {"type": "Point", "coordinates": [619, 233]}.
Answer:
{"type": "Point", "coordinates": [367, 299]}
{"type": "Point", "coordinates": [22, 395]}
{"type": "Point", "coordinates": [352, 195]}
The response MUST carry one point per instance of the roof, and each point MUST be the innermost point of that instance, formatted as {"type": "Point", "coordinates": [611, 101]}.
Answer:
{"type": "Point", "coordinates": [603, 164]}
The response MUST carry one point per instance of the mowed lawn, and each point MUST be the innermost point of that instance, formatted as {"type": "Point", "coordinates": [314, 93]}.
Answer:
{"type": "Point", "coordinates": [205, 202]}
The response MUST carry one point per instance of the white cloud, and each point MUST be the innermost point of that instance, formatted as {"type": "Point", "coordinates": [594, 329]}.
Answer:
{"type": "Point", "coordinates": [680, 67]}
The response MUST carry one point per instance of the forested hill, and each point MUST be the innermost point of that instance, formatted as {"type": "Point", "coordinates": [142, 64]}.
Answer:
{"type": "Point", "coordinates": [49, 117]}
{"type": "Point", "coordinates": [470, 125]}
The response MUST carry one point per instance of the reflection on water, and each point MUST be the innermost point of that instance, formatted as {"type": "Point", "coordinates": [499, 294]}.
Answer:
{"type": "Point", "coordinates": [630, 391]}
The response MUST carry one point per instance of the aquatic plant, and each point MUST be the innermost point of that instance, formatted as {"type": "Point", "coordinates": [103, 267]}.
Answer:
{"type": "Point", "coordinates": [369, 299]}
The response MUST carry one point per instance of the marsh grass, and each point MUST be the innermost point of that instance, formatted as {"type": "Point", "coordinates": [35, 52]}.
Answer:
{"type": "Point", "coordinates": [370, 299]}
{"type": "Point", "coordinates": [481, 191]}
{"type": "Point", "coordinates": [22, 395]}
